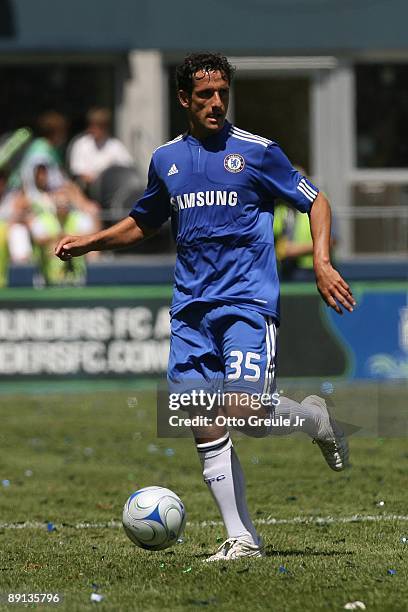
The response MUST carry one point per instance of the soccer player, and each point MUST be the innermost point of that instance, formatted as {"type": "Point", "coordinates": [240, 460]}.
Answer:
{"type": "Point", "coordinates": [218, 183]}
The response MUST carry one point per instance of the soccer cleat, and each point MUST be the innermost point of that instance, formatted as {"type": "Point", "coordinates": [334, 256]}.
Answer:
{"type": "Point", "coordinates": [334, 445]}
{"type": "Point", "coordinates": [236, 548]}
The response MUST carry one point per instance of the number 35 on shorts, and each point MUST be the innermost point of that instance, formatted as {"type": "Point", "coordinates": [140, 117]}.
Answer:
{"type": "Point", "coordinates": [239, 363]}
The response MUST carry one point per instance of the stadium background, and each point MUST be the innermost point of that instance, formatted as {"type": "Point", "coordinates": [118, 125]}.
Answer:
{"type": "Point", "coordinates": [316, 69]}
{"type": "Point", "coordinates": [325, 80]}
{"type": "Point", "coordinates": [328, 81]}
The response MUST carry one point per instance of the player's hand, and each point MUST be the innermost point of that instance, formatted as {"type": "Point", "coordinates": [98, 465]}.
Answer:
{"type": "Point", "coordinates": [334, 289]}
{"type": "Point", "coordinates": [72, 246]}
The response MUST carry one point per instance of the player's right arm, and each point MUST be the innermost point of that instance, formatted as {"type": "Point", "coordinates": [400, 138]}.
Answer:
{"type": "Point", "coordinates": [146, 217]}
{"type": "Point", "coordinates": [125, 233]}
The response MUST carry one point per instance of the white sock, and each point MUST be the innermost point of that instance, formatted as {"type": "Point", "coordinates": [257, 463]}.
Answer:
{"type": "Point", "coordinates": [289, 409]}
{"type": "Point", "coordinates": [224, 477]}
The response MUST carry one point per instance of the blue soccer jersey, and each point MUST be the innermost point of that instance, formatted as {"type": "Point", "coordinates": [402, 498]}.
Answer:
{"type": "Point", "coordinates": [220, 195]}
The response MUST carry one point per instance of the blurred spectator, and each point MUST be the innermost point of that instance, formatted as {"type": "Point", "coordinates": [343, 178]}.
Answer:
{"type": "Point", "coordinates": [44, 151]}
{"type": "Point", "coordinates": [90, 209]}
{"type": "Point", "coordinates": [66, 211]}
{"type": "Point", "coordinates": [4, 256]}
{"type": "Point", "coordinates": [30, 227]}
{"type": "Point", "coordinates": [38, 204]}
{"type": "Point", "coordinates": [294, 245]}
{"type": "Point", "coordinates": [48, 227]}
{"type": "Point", "coordinates": [12, 148]}
{"type": "Point", "coordinates": [96, 150]}
{"type": "Point", "coordinates": [18, 229]}
{"type": "Point", "coordinates": [15, 243]}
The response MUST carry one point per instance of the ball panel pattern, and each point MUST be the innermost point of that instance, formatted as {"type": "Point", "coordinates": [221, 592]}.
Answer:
{"type": "Point", "coordinates": [154, 518]}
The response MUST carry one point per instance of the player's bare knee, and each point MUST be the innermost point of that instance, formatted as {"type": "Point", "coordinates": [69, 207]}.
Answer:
{"type": "Point", "coordinates": [205, 435]}
{"type": "Point", "coordinates": [243, 417]}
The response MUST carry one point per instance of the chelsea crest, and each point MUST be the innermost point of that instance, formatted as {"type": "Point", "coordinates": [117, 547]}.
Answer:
{"type": "Point", "coordinates": [234, 162]}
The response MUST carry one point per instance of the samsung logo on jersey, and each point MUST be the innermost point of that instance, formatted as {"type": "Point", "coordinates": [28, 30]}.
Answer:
{"type": "Point", "coordinates": [204, 198]}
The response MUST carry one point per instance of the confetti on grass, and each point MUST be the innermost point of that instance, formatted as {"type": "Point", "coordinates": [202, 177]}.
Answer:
{"type": "Point", "coordinates": [96, 597]}
{"type": "Point", "coordinates": [327, 388]}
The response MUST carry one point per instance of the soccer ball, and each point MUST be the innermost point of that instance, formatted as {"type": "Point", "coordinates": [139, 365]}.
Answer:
{"type": "Point", "coordinates": [154, 518]}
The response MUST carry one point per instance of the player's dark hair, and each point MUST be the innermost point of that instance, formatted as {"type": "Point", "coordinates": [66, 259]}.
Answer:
{"type": "Point", "coordinates": [206, 62]}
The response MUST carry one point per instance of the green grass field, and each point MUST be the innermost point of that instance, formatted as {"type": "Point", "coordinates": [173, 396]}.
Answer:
{"type": "Point", "coordinates": [73, 459]}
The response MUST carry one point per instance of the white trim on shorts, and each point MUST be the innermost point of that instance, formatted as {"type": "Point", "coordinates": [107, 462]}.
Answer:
{"type": "Point", "coordinates": [270, 338]}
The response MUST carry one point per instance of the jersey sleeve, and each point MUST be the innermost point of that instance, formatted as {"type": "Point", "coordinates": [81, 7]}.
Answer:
{"type": "Point", "coordinates": [280, 179]}
{"type": "Point", "coordinates": [153, 208]}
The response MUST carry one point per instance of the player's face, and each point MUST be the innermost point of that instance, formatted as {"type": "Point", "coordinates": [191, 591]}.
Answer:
{"type": "Point", "coordinates": [208, 103]}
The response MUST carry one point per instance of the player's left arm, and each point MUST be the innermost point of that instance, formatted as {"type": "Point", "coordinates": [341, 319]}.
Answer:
{"type": "Point", "coordinates": [332, 287]}
{"type": "Point", "coordinates": [281, 180]}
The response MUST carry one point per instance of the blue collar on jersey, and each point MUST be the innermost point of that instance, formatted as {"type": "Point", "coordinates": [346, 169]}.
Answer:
{"type": "Point", "coordinates": [214, 139]}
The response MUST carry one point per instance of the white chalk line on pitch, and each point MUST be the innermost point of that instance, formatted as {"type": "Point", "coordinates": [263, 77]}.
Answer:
{"type": "Point", "coordinates": [297, 520]}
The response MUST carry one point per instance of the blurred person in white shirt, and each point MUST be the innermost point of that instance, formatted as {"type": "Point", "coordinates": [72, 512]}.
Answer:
{"type": "Point", "coordinates": [97, 150]}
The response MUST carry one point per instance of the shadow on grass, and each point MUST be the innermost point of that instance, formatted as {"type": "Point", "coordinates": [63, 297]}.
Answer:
{"type": "Point", "coordinates": [307, 552]}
